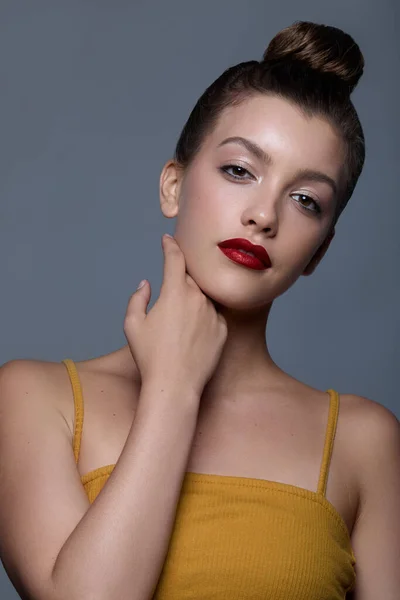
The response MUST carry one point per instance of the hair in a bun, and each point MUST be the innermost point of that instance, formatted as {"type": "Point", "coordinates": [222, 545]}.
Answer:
{"type": "Point", "coordinates": [320, 47]}
{"type": "Point", "coordinates": [313, 66]}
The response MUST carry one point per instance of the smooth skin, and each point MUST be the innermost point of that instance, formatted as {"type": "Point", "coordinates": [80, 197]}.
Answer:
{"type": "Point", "coordinates": [254, 420]}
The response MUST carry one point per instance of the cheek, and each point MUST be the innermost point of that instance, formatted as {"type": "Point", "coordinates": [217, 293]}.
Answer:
{"type": "Point", "coordinates": [194, 220]}
{"type": "Point", "coordinates": [299, 240]}
{"type": "Point", "coordinates": [200, 207]}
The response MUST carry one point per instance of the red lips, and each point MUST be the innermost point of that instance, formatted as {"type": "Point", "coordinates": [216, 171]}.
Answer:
{"type": "Point", "coordinates": [242, 244]}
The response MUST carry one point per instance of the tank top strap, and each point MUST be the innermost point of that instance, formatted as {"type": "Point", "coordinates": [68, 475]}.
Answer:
{"type": "Point", "coordinates": [78, 405]}
{"type": "Point", "coordinates": [329, 440]}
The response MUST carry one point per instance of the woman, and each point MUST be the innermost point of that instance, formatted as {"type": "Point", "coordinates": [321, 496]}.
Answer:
{"type": "Point", "coordinates": [188, 464]}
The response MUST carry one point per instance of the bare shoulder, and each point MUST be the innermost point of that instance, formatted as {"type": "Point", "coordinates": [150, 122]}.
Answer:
{"type": "Point", "coordinates": [41, 382]}
{"type": "Point", "coordinates": [51, 378]}
{"type": "Point", "coordinates": [20, 374]}
{"type": "Point", "coordinates": [368, 437]}
{"type": "Point", "coordinates": [19, 368]}
{"type": "Point", "coordinates": [36, 391]}
{"type": "Point", "coordinates": [375, 434]}
{"type": "Point", "coordinates": [368, 418]}
{"type": "Point", "coordinates": [376, 532]}
{"type": "Point", "coordinates": [38, 472]}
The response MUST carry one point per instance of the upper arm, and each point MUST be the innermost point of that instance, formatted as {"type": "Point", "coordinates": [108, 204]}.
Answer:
{"type": "Point", "coordinates": [376, 534]}
{"type": "Point", "coordinates": [41, 495]}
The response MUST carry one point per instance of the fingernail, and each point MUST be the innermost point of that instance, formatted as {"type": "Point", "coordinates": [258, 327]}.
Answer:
{"type": "Point", "coordinates": [141, 284]}
{"type": "Point", "coordinates": [167, 235]}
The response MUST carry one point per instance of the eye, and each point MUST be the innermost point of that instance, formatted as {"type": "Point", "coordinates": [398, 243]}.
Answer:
{"type": "Point", "coordinates": [237, 172]}
{"type": "Point", "coordinates": [305, 202]}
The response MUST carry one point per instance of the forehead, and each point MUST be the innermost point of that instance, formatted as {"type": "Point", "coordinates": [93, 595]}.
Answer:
{"type": "Point", "coordinates": [283, 131]}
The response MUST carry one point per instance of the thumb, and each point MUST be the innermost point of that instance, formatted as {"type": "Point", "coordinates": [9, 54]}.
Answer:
{"type": "Point", "coordinates": [174, 261]}
{"type": "Point", "coordinates": [143, 292]}
{"type": "Point", "coordinates": [138, 302]}
{"type": "Point", "coordinates": [141, 284]}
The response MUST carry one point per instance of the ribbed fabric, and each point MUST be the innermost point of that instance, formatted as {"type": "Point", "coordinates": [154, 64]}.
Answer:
{"type": "Point", "coordinates": [240, 538]}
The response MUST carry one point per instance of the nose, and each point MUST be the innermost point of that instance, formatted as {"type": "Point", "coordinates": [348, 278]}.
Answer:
{"type": "Point", "coordinates": [263, 217]}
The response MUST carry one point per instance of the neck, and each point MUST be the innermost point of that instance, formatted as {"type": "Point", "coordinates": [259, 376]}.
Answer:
{"type": "Point", "coordinates": [245, 363]}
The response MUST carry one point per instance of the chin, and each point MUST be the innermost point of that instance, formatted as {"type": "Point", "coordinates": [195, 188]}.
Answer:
{"type": "Point", "coordinates": [229, 292]}
{"type": "Point", "coordinates": [229, 289]}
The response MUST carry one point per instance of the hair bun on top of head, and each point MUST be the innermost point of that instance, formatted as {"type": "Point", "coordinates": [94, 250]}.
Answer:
{"type": "Point", "coordinates": [320, 47]}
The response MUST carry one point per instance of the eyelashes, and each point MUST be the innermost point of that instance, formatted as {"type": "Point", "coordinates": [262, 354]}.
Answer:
{"type": "Point", "coordinates": [316, 208]}
{"type": "Point", "coordinates": [239, 170]}
{"type": "Point", "coordinates": [239, 174]}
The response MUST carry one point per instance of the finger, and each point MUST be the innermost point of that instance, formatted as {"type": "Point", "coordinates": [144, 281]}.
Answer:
{"type": "Point", "coordinates": [138, 303]}
{"type": "Point", "coordinates": [174, 262]}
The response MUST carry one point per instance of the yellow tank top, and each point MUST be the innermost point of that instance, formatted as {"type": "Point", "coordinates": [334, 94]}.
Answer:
{"type": "Point", "coordinates": [245, 538]}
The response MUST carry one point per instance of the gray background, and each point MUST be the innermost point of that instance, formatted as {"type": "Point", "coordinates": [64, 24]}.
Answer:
{"type": "Point", "coordinates": [93, 97]}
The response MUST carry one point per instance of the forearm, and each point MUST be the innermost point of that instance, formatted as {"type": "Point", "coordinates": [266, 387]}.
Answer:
{"type": "Point", "coordinates": [118, 549]}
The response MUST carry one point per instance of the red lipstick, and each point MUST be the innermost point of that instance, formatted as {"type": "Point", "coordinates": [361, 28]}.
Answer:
{"type": "Point", "coordinates": [231, 249]}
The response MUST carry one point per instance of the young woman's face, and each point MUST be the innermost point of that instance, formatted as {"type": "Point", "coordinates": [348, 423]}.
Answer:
{"type": "Point", "coordinates": [280, 195]}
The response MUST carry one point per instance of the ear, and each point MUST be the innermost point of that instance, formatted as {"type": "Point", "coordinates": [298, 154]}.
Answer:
{"type": "Point", "coordinates": [170, 181]}
{"type": "Point", "coordinates": [319, 255]}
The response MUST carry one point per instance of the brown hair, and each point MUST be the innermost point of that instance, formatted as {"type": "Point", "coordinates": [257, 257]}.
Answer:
{"type": "Point", "coordinates": [314, 66]}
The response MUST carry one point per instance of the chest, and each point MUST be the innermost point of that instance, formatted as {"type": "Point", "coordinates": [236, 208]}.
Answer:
{"type": "Point", "coordinates": [273, 443]}
{"type": "Point", "coordinates": [254, 539]}
{"type": "Point", "coordinates": [259, 443]}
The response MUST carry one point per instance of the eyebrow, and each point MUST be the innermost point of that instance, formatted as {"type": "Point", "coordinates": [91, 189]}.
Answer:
{"type": "Point", "coordinates": [252, 147]}
{"type": "Point", "coordinates": [259, 153]}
